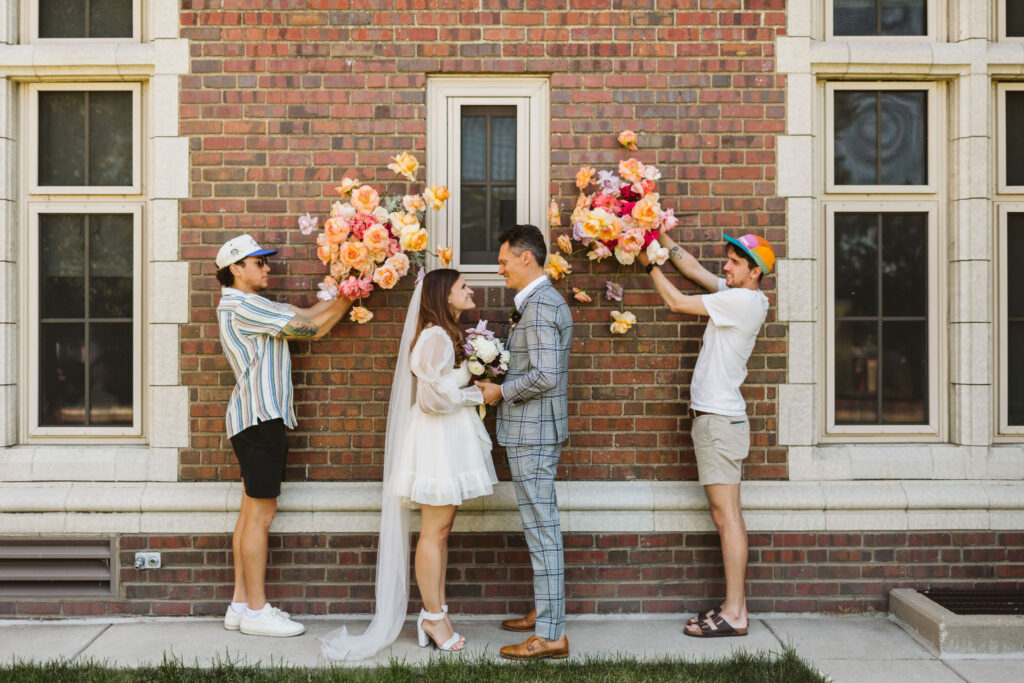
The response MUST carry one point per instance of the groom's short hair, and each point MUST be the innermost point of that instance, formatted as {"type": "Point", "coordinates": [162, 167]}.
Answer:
{"type": "Point", "coordinates": [522, 238]}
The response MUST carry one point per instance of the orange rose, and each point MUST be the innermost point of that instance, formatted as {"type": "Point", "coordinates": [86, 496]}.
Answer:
{"type": "Point", "coordinates": [323, 252]}
{"type": "Point", "coordinates": [403, 222]}
{"type": "Point", "coordinates": [582, 204]}
{"type": "Point", "coordinates": [435, 196]}
{"type": "Point", "coordinates": [347, 185]}
{"type": "Point", "coordinates": [445, 254]}
{"type": "Point", "coordinates": [595, 221]}
{"type": "Point", "coordinates": [554, 219]}
{"type": "Point", "coordinates": [336, 230]}
{"type": "Point", "coordinates": [581, 296]}
{"type": "Point", "coordinates": [414, 240]}
{"type": "Point", "coordinates": [557, 267]}
{"type": "Point", "coordinates": [365, 199]}
{"type": "Point", "coordinates": [405, 164]}
{"type": "Point", "coordinates": [647, 212]}
{"type": "Point", "coordinates": [376, 238]}
{"type": "Point", "coordinates": [565, 244]}
{"type": "Point", "coordinates": [413, 203]}
{"type": "Point", "coordinates": [631, 170]}
{"type": "Point", "coordinates": [385, 277]}
{"type": "Point", "coordinates": [354, 255]}
{"type": "Point", "coordinates": [360, 315]}
{"type": "Point", "coordinates": [623, 321]}
{"type": "Point", "coordinates": [611, 230]}
{"type": "Point", "coordinates": [584, 176]}
{"type": "Point", "coordinates": [627, 139]}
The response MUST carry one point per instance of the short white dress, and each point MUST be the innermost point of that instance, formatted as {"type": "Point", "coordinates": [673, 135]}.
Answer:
{"type": "Point", "coordinates": [445, 457]}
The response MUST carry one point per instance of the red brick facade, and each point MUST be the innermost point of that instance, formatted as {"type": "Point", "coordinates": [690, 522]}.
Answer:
{"type": "Point", "coordinates": [285, 96]}
{"type": "Point", "coordinates": [605, 573]}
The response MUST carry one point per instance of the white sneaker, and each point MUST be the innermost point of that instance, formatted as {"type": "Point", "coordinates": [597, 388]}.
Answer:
{"type": "Point", "coordinates": [270, 622]}
{"type": "Point", "coordinates": [232, 619]}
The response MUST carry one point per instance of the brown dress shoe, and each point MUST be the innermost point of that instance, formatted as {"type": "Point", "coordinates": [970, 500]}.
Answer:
{"type": "Point", "coordinates": [527, 623]}
{"type": "Point", "coordinates": [536, 647]}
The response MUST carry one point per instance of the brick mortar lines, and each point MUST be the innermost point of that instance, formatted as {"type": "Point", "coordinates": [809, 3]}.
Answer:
{"type": "Point", "coordinates": [280, 104]}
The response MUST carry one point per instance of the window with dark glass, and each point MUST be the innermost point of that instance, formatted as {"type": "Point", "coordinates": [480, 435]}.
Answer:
{"type": "Point", "coordinates": [85, 138]}
{"type": "Point", "coordinates": [86, 293]}
{"type": "Point", "coordinates": [879, 17]}
{"type": "Point", "coordinates": [1013, 139]}
{"type": "Point", "coordinates": [86, 18]}
{"type": "Point", "coordinates": [488, 180]}
{"type": "Point", "coordinates": [1014, 322]}
{"type": "Point", "coordinates": [1015, 18]}
{"type": "Point", "coordinates": [880, 137]}
{"type": "Point", "coordinates": [881, 318]}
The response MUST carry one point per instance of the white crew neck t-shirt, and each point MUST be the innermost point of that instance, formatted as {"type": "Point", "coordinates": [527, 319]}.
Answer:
{"type": "Point", "coordinates": [736, 317]}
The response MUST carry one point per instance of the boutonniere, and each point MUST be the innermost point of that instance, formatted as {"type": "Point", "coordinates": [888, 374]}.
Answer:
{"type": "Point", "coordinates": [515, 316]}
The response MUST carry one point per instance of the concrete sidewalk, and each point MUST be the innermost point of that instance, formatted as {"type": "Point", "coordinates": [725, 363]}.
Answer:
{"type": "Point", "coordinates": [855, 648]}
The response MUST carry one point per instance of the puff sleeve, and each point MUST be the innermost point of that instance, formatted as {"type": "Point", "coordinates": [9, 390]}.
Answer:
{"type": "Point", "coordinates": [432, 361]}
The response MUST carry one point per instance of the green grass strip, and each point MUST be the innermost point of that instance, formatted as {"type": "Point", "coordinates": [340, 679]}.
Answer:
{"type": "Point", "coordinates": [741, 667]}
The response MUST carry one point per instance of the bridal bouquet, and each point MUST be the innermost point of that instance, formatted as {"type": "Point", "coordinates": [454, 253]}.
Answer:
{"type": "Point", "coordinates": [621, 216]}
{"type": "Point", "coordinates": [486, 356]}
{"type": "Point", "coordinates": [372, 239]}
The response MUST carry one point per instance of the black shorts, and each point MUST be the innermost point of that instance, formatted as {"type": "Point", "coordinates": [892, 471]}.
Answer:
{"type": "Point", "coordinates": [261, 451]}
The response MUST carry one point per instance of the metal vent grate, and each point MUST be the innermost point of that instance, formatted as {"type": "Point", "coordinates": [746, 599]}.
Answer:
{"type": "Point", "coordinates": [56, 567]}
{"type": "Point", "coordinates": [977, 601]}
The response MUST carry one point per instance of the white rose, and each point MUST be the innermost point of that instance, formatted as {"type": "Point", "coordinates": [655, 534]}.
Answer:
{"type": "Point", "coordinates": [504, 358]}
{"type": "Point", "coordinates": [381, 214]}
{"type": "Point", "coordinates": [476, 367]}
{"type": "Point", "coordinates": [624, 258]}
{"type": "Point", "coordinates": [486, 350]}
{"type": "Point", "coordinates": [656, 253]}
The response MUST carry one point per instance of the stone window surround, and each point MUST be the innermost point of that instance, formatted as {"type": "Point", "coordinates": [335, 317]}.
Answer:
{"type": "Point", "coordinates": [156, 61]}
{"type": "Point", "coordinates": [935, 22]}
{"type": "Point", "coordinates": [969, 66]}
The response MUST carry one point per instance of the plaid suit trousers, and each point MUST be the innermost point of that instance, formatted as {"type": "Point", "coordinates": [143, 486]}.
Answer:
{"type": "Point", "coordinates": [533, 474]}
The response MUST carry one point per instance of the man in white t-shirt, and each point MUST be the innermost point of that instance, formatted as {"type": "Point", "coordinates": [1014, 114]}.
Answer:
{"type": "Point", "coordinates": [736, 309]}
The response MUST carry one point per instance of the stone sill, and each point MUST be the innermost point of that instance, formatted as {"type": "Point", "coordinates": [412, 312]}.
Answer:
{"type": "Point", "coordinates": [586, 507]}
{"type": "Point", "coordinates": [946, 633]}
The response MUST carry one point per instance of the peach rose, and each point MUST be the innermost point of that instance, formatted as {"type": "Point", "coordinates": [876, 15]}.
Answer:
{"type": "Point", "coordinates": [624, 257]}
{"type": "Point", "coordinates": [627, 139]}
{"type": "Point", "coordinates": [398, 263]}
{"type": "Point", "coordinates": [581, 296]}
{"type": "Point", "coordinates": [338, 270]}
{"type": "Point", "coordinates": [336, 230]}
{"type": "Point", "coordinates": [585, 176]}
{"type": "Point", "coordinates": [354, 255]}
{"type": "Point", "coordinates": [598, 252]}
{"type": "Point", "coordinates": [405, 164]}
{"type": "Point", "coordinates": [403, 222]}
{"type": "Point", "coordinates": [414, 240]}
{"type": "Point", "coordinates": [413, 203]}
{"type": "Point", "coordinates": [365, 199]}
{"type": "Point", "coordinates": [360, 315]}
{"type": "Point", "coordinates": [554, 219]}
{"type": "Point", "coordinates": [632, 241]}
{"type": "Point", "coordinates": [557, 267]}
{"type": "Point", "coordinates": [595, 222]}
{"type": "Point", "coordinates": [647, 212]}
{"type": "Point", "coordinates": [435, 196]}
{"type": "Point", "coordinates": [565, 244]}
{"type": "Point", "coordinates": [445, 254]}
{"type": "Point", "coordinates": [347, 185]}
{"type": "Point", "coordinates": [623, 321]}
{"type": "Point", "coordinates": [385, 277]}
{"type": "Point", "coordinates": [579, 213]}
{"type": "Point", "coordinates": [631, 170]}
{"type": "Point", "coordinates": [611, 230]}
{"type": "Point", "coordinates": [323, 252]}
{"type": "Point", "coordinates": [376, 238]}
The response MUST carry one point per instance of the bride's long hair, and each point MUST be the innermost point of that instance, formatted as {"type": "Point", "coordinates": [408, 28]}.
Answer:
{"type": "Point", "coordinates": [437, 285]}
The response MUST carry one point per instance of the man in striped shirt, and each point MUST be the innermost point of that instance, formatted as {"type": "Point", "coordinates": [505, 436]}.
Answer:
{"type": "Point", "coordinates": [254, 333]}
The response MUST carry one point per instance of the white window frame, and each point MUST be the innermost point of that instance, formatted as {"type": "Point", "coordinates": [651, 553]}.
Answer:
{"type": "Point", "coordinates": [30, 26]}
{"type": "Point", "coordinates": [1001, 136]}
{"type": "Point", "coordinates": [933, 24]}
{"type": "Point", "coordinates": [936, 392]}
{"type": "Point", "coordinates": [1001, 23]}
{"type": "Point", "coordinates": [32, 125]}
{"type": "Point", "coordinates": [931, 144]}
{"type": "Point", "coordinates": [29, 368]}
{"type": "Point", "coordinates": [1002, 317]}
{"type": "Point", "coordinates": [446, 96]}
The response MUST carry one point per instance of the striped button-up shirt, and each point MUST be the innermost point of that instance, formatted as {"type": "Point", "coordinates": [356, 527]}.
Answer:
{"type": "Point", "coordinates": [249, 328]}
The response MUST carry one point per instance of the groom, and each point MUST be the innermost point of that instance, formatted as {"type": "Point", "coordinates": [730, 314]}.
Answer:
{"type": "Point", "coordinates": [533, 424]}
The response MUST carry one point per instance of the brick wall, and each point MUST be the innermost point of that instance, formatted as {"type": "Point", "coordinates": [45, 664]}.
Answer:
{"type": "Point", "coordinates": [285, 96]}
{"type": "Point", "coordinates": [605, 573]}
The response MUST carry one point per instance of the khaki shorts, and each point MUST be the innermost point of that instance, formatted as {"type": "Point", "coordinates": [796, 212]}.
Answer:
{"type": "Point", "coordinates": [722, 443]}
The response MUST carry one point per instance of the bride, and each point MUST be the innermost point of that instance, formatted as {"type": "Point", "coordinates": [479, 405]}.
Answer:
{"type": "Point", "coordinates": [436, 455]}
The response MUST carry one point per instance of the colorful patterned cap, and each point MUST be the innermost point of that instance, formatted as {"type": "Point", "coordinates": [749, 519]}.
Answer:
{"type": "Point", "coordinates": [237, 248]}
{"type": "Point", "coordinates": [756, 248]}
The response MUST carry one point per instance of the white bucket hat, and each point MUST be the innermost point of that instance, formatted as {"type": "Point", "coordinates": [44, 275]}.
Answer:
{"type": "Point", "coordinates": [237, 248]}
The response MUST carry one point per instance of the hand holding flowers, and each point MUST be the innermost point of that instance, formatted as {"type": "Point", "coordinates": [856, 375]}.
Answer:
{"type": "Point", "coordinates": [486, 356]}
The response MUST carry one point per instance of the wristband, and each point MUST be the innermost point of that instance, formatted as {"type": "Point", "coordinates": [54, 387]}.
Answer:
{"type": "Point", "coordinates": [650, 266]}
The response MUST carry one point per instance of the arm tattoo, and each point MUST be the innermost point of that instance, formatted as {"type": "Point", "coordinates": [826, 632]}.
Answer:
{"type": "Point", "coordinates": [676, 251]}
{"type": "Point", "coordinates": [301, 328]}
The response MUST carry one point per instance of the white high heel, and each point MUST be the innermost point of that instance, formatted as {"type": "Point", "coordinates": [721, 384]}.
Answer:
{"type": "Point", "coordinates": [424, 639]}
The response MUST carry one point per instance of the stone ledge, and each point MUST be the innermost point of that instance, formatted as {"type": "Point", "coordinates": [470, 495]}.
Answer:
{"type": "Point", "coordinates": [946, 633]}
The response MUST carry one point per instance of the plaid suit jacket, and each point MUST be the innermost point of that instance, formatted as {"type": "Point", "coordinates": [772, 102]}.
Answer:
{"type": "Point", "coordinates": [535, 410]}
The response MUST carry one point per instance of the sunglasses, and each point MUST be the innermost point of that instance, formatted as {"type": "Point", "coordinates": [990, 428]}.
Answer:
{"type": "Point", "coordinates": [260, 261]}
